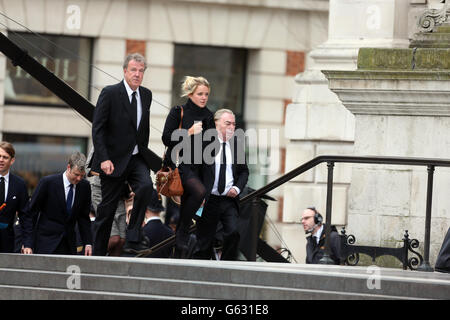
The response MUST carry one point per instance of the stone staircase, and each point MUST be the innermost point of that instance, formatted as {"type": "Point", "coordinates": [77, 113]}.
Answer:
{"type": "Point", "coordinates": [77, 277]}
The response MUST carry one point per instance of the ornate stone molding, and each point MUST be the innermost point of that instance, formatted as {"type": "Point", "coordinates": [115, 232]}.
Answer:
{"type": "Point", "coordinates": [434, 17]}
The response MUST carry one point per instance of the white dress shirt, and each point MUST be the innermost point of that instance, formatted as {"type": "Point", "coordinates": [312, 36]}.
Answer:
{"type": "Point", "coordinates": [318, 234]}
{"type": "Point", "coordinates": [67, 188]}
{"type": "Point", "coordinates": [139, 108]}
{"type": "Point", "coordinates": [228, 172]}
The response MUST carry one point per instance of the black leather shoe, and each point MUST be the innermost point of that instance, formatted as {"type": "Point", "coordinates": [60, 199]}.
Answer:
{"type": "Point", "coordinates": [185, 251]}
{"type": "Point", "coordinates": [444, 270]}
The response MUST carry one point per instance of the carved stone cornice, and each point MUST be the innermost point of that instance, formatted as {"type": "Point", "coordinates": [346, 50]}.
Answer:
{"type": "Point", "coordinates": [432, 18]}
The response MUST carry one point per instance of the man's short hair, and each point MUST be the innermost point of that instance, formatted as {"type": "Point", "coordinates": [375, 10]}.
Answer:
{"type": "Point", "coordinates": [220, 112]}
{"type": "Point", "coordinates": [134, 56]}
{"type": "Point", "coordinates": [77, 160]}
{"type": "Point", "coordinates": [8, 147]}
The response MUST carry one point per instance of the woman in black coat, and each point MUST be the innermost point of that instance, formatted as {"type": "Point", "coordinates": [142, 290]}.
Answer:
{"type": "Point", "coordinates": [197, 119]}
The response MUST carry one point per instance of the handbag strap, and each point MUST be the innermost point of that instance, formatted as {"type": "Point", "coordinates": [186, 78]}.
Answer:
{"type": "Point", "coordinates": [179, 127]}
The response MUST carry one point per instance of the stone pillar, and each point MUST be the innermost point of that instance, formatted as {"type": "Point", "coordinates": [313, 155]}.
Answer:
{"type": "Point", "coordinates": [401, 102]}
{"type": "Point", "coordinates": [316, 121]}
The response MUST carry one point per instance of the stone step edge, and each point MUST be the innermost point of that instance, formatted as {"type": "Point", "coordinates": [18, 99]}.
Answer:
{"type": "Point", "coordinates": [329, 293]}
{"type": "Point", "coordinates": [56, 291]}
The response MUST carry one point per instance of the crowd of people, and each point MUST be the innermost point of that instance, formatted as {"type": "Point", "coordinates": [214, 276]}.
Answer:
{"type": "Point", "coordinates": [116, 210]}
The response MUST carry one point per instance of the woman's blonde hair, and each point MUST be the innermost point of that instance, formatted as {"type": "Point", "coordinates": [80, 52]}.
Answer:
{"type": "Point", "coordinates": [190, 84]}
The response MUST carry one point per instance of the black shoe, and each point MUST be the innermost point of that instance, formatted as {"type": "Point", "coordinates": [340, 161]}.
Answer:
{"type": "Point", "coordinates": [136, 247]}
{"type": "Point", "coordinates": [185, 251]}
{"type": "Point", "coordinates": [444, 270]}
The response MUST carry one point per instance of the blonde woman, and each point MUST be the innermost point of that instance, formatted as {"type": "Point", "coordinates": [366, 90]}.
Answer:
{"type": "Point", "coordinates": [197, 118]}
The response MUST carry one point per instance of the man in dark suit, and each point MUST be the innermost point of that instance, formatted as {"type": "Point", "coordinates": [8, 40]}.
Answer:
{"type": "Point", "coordinates": [226, 178]}
{"type": "Point", "coordinates": [443, 258]}
{"type": "Point", "coordinates": [57, 204]}
{"type": "Point", "coordinates": [120, 132]}
{"type": "Point", "coordinates": [13, 197]}
{"type": "Point", "coordinates": [312, 222]}
{"type": "Point", "coordinates": [154, 229]}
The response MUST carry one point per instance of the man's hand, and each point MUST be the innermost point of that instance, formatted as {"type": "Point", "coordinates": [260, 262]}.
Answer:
{"type": "Point", "coordinates": [232, 193]}
{"type": "Point", "coordinates": [88, 250]}
{"type": "Point", "coordinates": [107, 167]}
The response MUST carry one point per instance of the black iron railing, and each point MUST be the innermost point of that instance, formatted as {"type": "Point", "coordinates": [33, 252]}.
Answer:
{"type": "Point", "coordinates": [350, 252]}
{"type": "Point", "coordinates": [331, 160]}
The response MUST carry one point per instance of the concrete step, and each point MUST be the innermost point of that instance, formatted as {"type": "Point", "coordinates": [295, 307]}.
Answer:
{"type": "Point", "coordinates": [167, 288]}
{"type": "Point", "coordinates": [33, 293]}
{"type": "Point", "coordinates": [166, 278]}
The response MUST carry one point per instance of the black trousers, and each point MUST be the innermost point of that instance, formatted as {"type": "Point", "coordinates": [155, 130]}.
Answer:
{"type": "Point", "coordinates": [7, 240]}
{"type": "Point", "coordinates": [137, 175]}
{"type": "Point", "coordinates": [63, 247]}
{"type": "Point", "coordinates": [218, 209]}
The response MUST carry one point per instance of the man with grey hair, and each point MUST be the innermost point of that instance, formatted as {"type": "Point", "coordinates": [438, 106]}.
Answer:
{"type": "Point", "coordinates": [226, 178]}
{"type": "Point", "coordinates": [120, 133]}
{"type": "Point", "coordinates": [58, 203]}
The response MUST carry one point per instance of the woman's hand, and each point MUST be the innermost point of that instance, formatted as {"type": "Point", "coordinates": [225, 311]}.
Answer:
{"type": "Point", "coordinates": [196, 128]}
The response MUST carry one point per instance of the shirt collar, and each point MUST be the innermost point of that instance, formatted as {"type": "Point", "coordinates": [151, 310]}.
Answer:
{"type": "Point", "coordinates": [129, 90]}
{"type": "Point", "coordinates": [66, 180]}
{"type": "Point", "coordinates": [152, 218]}
{"type": "Point", "coordinates": [221, 141]}
{"type": "Point", "coordinates": [6, 177]}
{"type": "Point", "coordinates": [319, 232]}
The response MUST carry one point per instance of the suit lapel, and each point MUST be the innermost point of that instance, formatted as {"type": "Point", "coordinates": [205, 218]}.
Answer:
{"type": "Point", "coordinates": [60, 192]}
{"type": "Point", "coordinates": [144, 103]}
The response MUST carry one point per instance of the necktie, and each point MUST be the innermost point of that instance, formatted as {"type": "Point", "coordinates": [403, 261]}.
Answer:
{"type": "Point", "coordinates": [223, 166]}
{"type": "Point", "coordinates": [2, 190]}
{"type": "Point", "coordinates": [69, 199]}
{"type": "Point", "coordinates": [134, 107]}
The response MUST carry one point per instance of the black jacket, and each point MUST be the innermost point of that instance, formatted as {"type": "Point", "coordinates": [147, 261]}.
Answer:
{"type": "Point", "coordinates": [314, 251]}
{"type": "Point", "coordinates": [443, 259]}
{"type": "Point", "coordinates": [48, 202]}
{"type": "Point", "coordinates": [16, 201]}
{"type": "Point", "coordinates": [191, 114]}
{"type": "Point", "coordinates": [114, 131]}
{"type": "Point", "coordinates": [157, 232]}
{"type": "Point", "coordinates": [239, 165]}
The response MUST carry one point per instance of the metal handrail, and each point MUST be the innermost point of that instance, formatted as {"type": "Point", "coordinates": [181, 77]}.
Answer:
{"type": "Point", "coordinates": [344, 159]}
{"type": "Point", "coordinates": [430, 163]}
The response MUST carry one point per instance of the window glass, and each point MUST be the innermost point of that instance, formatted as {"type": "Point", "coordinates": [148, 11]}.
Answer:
{"type": "Point", "coordinates": [59, 55]}
{"type": "Point", "coordinates": [224, 68]}
{"type": "Point", "coordinates": [38, 156]}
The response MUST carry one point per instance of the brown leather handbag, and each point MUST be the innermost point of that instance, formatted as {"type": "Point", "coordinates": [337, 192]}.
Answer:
{"type": "Point", "coordinates": [168, 181]}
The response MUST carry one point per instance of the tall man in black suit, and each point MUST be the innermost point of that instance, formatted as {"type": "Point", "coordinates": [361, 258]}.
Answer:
{"type": "Point", "coordinates": [227, 177]}
{"type": "Point", "coordinates": [13, 197]}
{"type": "Point", "coordinates": [57, 204]}
{"type": "Point", "coordinates": [120, 132]}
